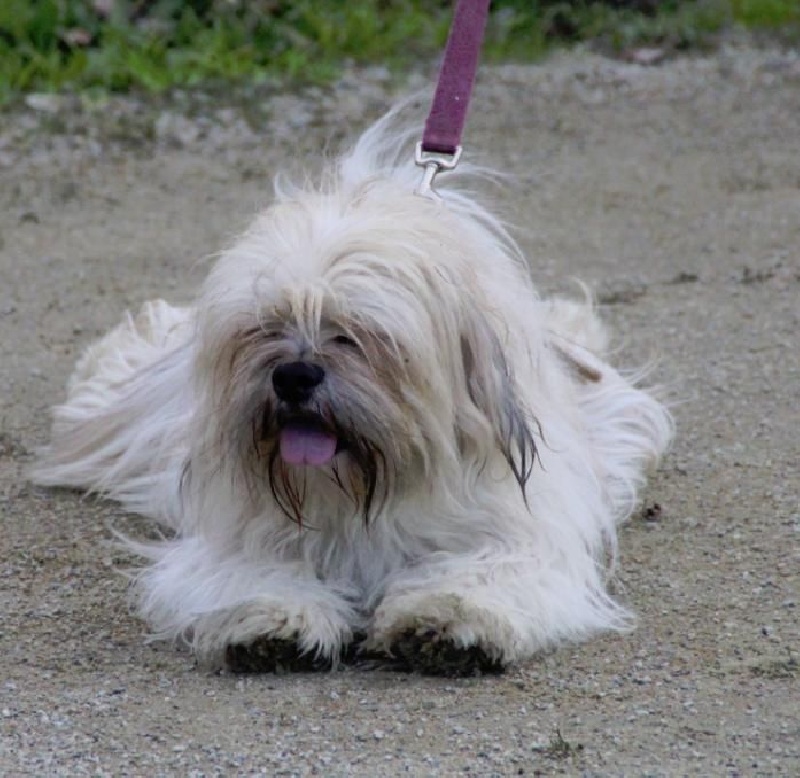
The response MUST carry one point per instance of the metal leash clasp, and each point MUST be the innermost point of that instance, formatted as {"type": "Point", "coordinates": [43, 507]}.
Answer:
{"type": "Point", "coordinates": [433, 162]}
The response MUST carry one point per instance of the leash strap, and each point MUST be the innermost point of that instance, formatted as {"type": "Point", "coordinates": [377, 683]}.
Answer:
{"type": "Point", "coordinates": [440, 148]}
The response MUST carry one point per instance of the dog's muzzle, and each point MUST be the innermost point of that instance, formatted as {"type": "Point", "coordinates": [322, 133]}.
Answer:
{"type": "Point", "coordinates": [305, 438]}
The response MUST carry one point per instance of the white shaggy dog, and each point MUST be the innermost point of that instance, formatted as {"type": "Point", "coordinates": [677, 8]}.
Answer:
{"type": "Point", "coordinates": [367, 426]}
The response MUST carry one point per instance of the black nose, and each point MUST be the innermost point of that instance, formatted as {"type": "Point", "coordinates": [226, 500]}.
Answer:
{"type": "Point", "coordinates": [294, 382]}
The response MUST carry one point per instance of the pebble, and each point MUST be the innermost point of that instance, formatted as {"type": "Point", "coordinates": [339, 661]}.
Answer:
{"type": "Point", "coordinates": [45, 103]}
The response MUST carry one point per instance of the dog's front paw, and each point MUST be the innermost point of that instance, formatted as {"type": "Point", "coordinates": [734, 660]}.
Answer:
{"type": "Point", "coordinates": [430, 652]}
{"type": "Point", "coordinates": [441, 634]}
{"type": "Point", "coordinates": [264, 635]}
{"type": "Point", "coordinates": [267, 654]}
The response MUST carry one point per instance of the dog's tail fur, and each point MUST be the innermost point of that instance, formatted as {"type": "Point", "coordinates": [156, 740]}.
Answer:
{"type": "Point", "coordinates": [99, 440]}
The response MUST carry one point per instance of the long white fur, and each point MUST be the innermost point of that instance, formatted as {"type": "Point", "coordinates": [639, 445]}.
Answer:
{"type": "Point", "coordinates": [458, 551]}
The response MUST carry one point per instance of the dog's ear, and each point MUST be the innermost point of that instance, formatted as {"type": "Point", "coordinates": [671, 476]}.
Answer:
{"type": "Point", "coordinates": [493, 393]}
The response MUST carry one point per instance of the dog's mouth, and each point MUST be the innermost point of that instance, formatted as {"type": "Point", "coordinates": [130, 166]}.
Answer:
{"type": "Point", "coordinates": [307, 441]}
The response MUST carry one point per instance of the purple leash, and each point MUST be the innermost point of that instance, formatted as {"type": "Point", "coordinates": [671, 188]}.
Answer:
{"type": "Point", "coordinates": [440, 148]}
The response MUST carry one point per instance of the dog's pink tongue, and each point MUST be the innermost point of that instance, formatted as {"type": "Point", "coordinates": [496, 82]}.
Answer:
{"type": "Point", "coordinates": [307, 447]}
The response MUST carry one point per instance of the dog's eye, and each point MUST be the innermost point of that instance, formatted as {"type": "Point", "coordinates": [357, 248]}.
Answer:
{"type": "Point", "coordinates": [344, 340]}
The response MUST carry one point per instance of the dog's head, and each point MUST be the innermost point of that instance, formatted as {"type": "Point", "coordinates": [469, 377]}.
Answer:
{"type": "Point", "coordinates": [353, 347]}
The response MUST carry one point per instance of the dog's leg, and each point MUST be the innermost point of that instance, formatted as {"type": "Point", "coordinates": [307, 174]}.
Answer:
{"type": "Point", "coordinates": [260, 615]}
{"type": "Point", "coordinates": [472, 614]}
{"type": "Point", "coordinates": [121, 430]}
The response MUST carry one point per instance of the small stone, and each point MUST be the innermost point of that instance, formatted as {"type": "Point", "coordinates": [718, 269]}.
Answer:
{"type": "Point", "coordinates": [177, 130]}
{"type": "Point", "coordinates": [44, 103]}
{"type": "Point", "coordinates": [646, 56]}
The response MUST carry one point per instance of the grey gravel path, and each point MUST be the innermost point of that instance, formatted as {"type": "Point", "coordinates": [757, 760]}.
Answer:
{"type": "Point", "coordinates": [674, 191]}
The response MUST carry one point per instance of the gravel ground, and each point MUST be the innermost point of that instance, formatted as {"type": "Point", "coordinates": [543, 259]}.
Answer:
{"type": "Point", "coordinates": [674, 191]}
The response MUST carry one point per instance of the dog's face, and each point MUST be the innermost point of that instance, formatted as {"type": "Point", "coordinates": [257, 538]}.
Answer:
{"type": "Point", "coordinates": [347, 355]}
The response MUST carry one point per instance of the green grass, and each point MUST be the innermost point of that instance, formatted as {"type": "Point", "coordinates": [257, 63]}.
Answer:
{"type": "Point", "coordinates": [766, 13]}
{"type": "Point", "coordinates": [154, 45]}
